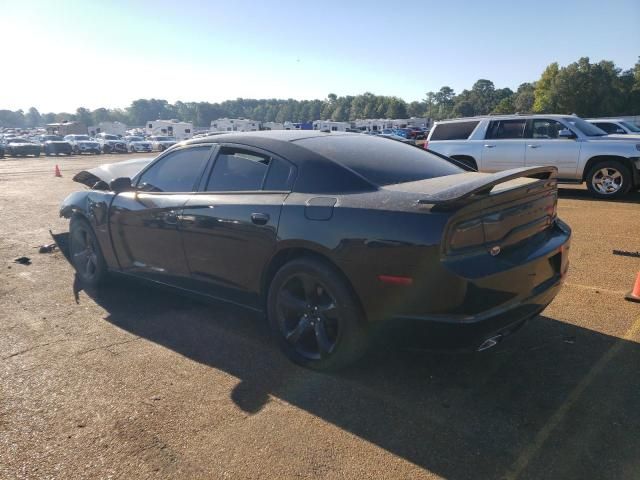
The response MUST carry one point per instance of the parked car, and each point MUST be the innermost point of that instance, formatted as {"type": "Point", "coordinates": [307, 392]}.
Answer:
{"type": "Point", "coordinates": [83, 144]}
{"type": "Point", "coordinates": [111, 143]}
{"type": "Point", "coordinates": [1, 150]}
{"type": "Point", "coordinates": [138, 144]}
{"type": "Point", "coordinates": [581, 151]}
{"type": "Point", "coordinates": [330, 235]}
{"type": "Point", "coordinates": [55, 144]}
{"type": "Point", "coordinates": [616, 127]}
{"type": "Point", "coordinates": [162, 143]}
{"type": "Point", "coordinates": [21, 147]}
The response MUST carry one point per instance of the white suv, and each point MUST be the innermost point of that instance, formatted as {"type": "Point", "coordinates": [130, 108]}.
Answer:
{"type": "Point", "coordinates": [616, 126]}
{"type": "Point", "coordinates": [579, 150]}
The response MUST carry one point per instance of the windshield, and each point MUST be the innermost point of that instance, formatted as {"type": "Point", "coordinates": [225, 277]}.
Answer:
{"type": "Point", "coordinates": [588, 129]}
{"type": "Point", "coordinates": [18, 140]}
{"type": "Point", "coordinates": [81, 137]}
{"type": "Point", "coordinates": [165, 139]}
{"type": "Point", "coordinates": [52, 137]}
{"type": "Point", "coordinates": [135, 139]}
{"type": "Point", "coordinates": [111, 137]}
{"type": "Point", "coordinates": [631, 127]}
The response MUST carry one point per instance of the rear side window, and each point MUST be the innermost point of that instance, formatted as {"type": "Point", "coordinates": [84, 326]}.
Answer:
{"type": "Point", "coordinates": [280, 176]}
{"type": "Point", "coordinates": [238, 170]}
{"type": "Point", "coordinates": [506, 129]}
{"type": "Point", "coordinates": [453, 130]}
{"type": "Point", "coordinates": [178, 171]}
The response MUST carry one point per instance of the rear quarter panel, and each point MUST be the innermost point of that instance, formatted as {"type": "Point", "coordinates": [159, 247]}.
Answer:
{"type": "Point", "coordinates": [369, 235]}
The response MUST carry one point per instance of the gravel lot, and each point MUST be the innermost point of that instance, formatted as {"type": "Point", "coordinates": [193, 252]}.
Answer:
{"type": "Point", "coordinates": [143, 383]}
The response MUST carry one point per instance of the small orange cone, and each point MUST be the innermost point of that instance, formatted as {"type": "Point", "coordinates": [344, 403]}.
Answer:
{"type": "Point", "coordinates": [634, 295]}
{"type": "Point", "coordinates": [57, 171]}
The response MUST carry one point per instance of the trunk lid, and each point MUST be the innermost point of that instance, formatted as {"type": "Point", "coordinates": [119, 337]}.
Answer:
{"type": "Point", "coordinates": [490, 212]}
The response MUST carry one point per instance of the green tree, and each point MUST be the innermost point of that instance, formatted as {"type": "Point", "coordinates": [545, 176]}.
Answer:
{"type": "Point", "coordinates": [83, 115]}
{"type": "Point", "coordinates": [524, 98]}
{"type": "Point", "coordinates": [32, 118]}
{"type": "Point", "coordinates": [545, 91]}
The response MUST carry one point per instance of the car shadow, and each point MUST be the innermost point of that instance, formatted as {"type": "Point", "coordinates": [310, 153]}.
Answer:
{"type": "Point", "coordinates": [457, 415]}
{"type": "Point", "coordinates": [583, 194]}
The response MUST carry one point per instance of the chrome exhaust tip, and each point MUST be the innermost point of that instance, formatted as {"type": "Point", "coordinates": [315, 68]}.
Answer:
{"type": "Point", "coordinates": [489, 343]}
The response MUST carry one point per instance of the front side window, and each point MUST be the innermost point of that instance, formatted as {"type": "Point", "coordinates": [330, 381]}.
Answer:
{"type": "Point", "coordinates": [545, 129]}
{"type": "Point", "coordinates": [238, 170]}
{"type": "Point", "coordinates": [588, 129]}
{"type": "Point", "coordinates": [176, 172]}
{"type": "Point", "coordinates": [506, 129]}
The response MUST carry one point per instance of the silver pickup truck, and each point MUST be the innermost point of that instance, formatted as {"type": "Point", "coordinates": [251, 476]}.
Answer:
{"type": "Point", "coordinates": [580, 150]}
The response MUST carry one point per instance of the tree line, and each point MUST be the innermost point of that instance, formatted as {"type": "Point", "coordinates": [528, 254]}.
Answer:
{"type": "Point", "coordinates": [584, 88]}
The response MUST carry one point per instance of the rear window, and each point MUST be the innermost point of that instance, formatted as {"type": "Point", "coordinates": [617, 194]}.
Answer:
{"type": "Point", "coordinates": [453, 130]}
{"type": "Point", "coordinates": [381, 161]}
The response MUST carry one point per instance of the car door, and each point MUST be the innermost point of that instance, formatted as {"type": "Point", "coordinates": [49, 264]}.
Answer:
{"type": "Point", "coordinates": [545, 147]}
{"type": "Point", "coordinates": [504, 145]}
{"type": "Point", "coordinates": [144, 222]}
{"type": "Point", "coordinates": [229, 229]}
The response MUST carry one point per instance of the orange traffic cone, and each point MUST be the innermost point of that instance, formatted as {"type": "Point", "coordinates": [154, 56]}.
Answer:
{"type": "Point", "coordinates": [57, 171]}
{"type": "Point", "coordinates": [634, 295]}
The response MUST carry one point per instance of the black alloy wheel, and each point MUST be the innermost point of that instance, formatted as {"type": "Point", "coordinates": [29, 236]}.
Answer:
{"type": "Point", "coordinates": [314, 315]}
{"type": "Point", "coordinates": [85, 253]}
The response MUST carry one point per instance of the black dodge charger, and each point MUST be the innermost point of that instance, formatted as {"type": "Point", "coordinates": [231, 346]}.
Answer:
{"type": "Point", "coordinates": [331, 235]}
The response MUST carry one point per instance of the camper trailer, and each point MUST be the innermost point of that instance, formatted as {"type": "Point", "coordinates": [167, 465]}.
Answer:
{"type": "Point", "coordinates": [235, 125]}
{"type": "Point", "coordinates": [110, 128]}
{"type": "Point", "coordinates": [326, 125]}
{"type": "Point", "coordinates": [169, 128]}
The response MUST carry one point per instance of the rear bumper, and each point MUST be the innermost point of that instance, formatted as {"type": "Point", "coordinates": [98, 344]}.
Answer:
{"type": "Point", "coordinates": [471, 332]}
{"type": "Point", "coordinates": [491, 305]}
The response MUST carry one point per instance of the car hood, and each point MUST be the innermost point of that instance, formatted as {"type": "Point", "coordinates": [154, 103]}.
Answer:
{"type": "Point", "coordinates": [22, 144]}
{"type": "Point", "coordinates": [110, 171]}
{"type": "Point", "coordinates": [57, 142]}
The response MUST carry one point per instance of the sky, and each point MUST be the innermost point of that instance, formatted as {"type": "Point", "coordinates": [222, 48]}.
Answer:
{"type": "Point", "coordinates": [60, 55]}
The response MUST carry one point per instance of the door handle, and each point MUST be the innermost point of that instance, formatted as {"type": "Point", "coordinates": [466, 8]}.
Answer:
{"type": "Point", "coordinates": [260, 218]}
{"type": "Point", "coordinates": [489, 146]}
{"type": "Point", "coordinates": [533, 146]}
{"type": "Point", "coordinates": [171, 218]}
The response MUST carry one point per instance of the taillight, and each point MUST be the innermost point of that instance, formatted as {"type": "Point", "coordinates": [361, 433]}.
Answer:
{"type": "Point", "coordinates": [426, 144]}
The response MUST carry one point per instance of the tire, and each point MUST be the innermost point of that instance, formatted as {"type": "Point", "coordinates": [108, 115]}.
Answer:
{"type": "Point", "coordinates": [609, 179]}
{"type": "Point", "coordinates": [36, 154]}
{"type": "Point", "coordinates": [161, 148]}
{"type": "Point", "coordinates": [85, 253]}
{"type": "Point", "coordinates": [315, 317]}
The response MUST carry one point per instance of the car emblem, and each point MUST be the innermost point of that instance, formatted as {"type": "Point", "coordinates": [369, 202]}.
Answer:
{"type": "Point", "coordinates": [494, 250]}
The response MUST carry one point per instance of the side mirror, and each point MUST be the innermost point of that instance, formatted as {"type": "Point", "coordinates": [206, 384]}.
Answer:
{"type": "Point", "coordinates": [121, 184]}
{"type": "Point", "coordinates": [566, 133]}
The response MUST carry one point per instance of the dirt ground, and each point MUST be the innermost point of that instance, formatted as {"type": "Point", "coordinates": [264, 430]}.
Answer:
{"type": "Point", "coordinates": [144, 383]}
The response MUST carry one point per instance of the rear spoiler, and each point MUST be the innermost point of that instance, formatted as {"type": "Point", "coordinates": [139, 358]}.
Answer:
{"type": "Point", "coordinates": [456, 194]}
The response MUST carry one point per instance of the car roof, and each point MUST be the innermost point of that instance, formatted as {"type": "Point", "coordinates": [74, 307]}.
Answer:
{"type": "Point", "coordinates": [503, 117]}
{"type": "Point", "coordinates": [266, 135]}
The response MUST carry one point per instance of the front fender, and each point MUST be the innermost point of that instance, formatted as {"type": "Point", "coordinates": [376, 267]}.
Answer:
{"type": "Point", "coordinates": [93, 205]}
